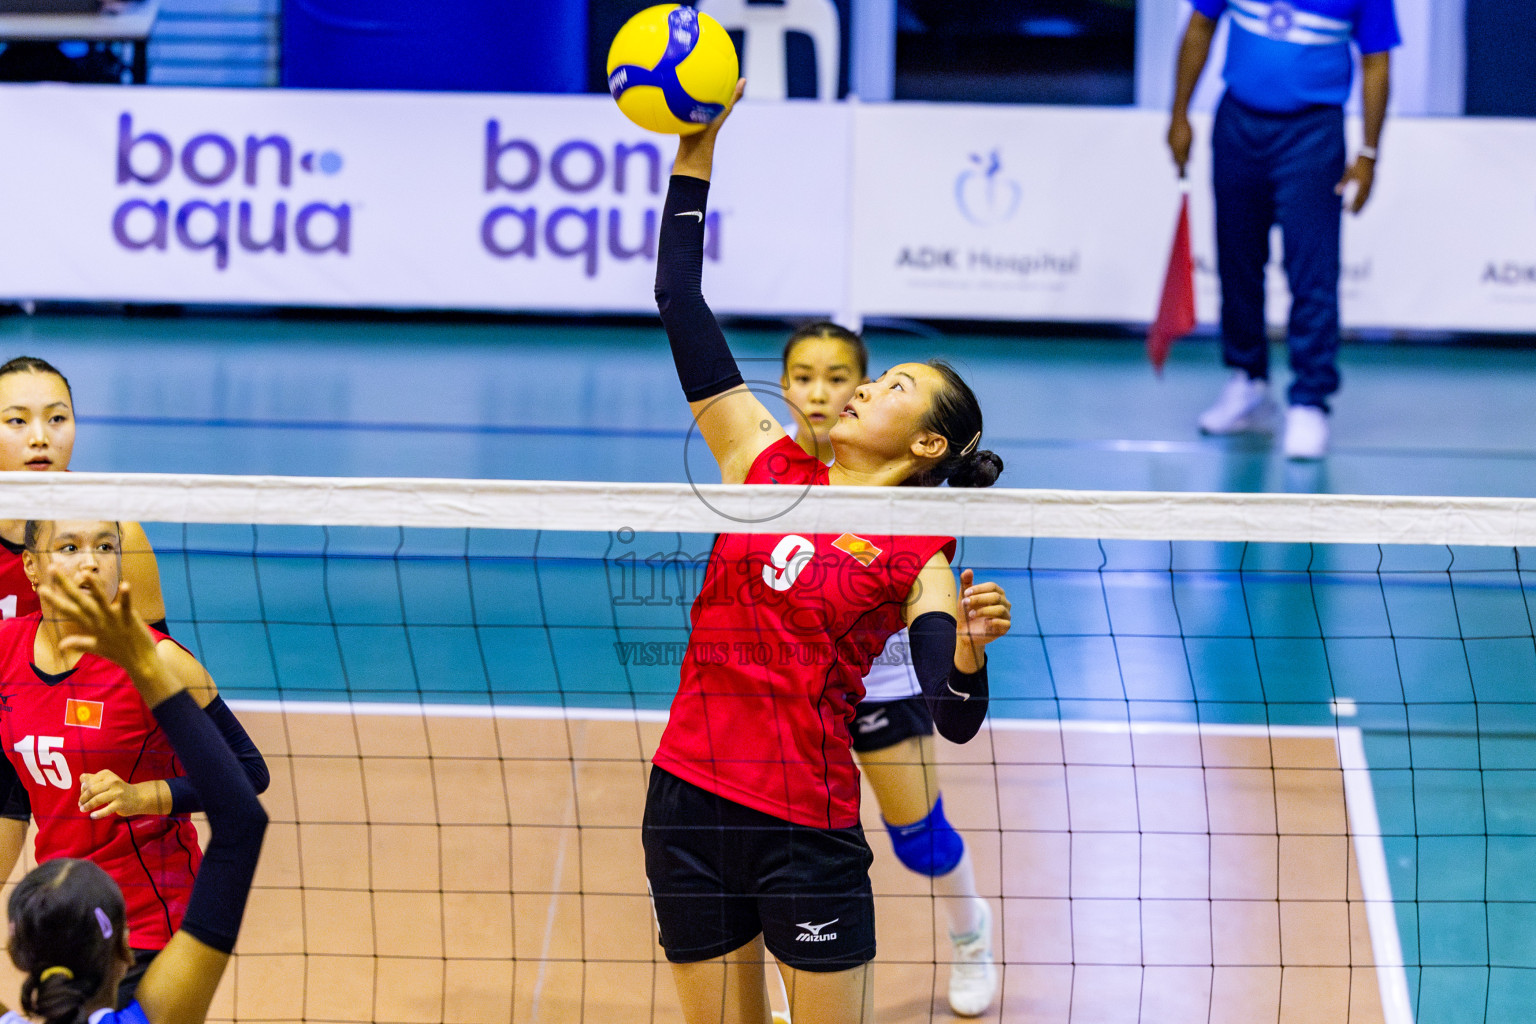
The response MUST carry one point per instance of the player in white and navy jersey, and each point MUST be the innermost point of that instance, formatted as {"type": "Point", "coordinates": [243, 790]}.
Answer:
{"type": "Point", "coordinates": [751, 831]}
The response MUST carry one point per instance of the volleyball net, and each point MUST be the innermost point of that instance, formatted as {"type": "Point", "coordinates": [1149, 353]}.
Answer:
{"type": "Point", "coordinates": [1250, 757]}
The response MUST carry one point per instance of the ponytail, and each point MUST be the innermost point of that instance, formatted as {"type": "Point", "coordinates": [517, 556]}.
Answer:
{"type": "Point", "coordinates": [955, 415]}
{"type": "Point", "coordinates": [57, 996]}
{"type": "Point", "coordinates": [67, 928]}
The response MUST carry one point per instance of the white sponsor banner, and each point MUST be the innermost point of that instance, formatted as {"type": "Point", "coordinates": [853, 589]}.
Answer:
{"type": "Point", "coordinates": [1006, 212]}
{"type": "Point", "coordinates": [552, 203]}
{"type": "Point", "coordinates": [1027, 213]}
{"type": "Point", "coordinates": [1448, 240]}
{"type": "Point", "coordinates": [400, 200]}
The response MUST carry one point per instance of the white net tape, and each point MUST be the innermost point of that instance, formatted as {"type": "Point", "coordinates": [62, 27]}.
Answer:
{"type": "Point", "coordinates": [566, 506]}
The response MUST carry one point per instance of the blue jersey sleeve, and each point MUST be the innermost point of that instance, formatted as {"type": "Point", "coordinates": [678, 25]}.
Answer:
{"type": "Point", "coordinates": [133, 1013]}
{"type": "Point", "coordinates": [1376, 27]}
{"type": "Point", "coordinates": [1211, 8]}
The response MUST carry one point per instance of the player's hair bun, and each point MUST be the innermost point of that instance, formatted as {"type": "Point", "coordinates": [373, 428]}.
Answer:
{"type": "Point", "coordinates": [59, 998]}
{"type": "Point", "coordinates": [68, 921]}
{"type": "Point", "coordinates": [981, 468]}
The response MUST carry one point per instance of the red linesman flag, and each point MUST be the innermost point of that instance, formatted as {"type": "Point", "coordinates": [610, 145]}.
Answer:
{"type": "Point", "coordinates": [1176, 311]}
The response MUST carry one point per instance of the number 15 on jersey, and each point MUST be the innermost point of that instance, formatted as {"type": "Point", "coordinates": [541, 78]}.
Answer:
{"type": "Point", "coordinates": [45, 760]}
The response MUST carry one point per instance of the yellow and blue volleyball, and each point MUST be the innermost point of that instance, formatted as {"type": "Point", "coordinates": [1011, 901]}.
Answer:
{"type": "Point", "coordinates": [672, 69]}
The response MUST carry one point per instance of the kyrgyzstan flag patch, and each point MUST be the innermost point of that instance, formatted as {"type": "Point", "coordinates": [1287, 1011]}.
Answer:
{"type": "Point", "coordinates": [858, 547]}
{"type": "Point", "coordinates": [86, 714]}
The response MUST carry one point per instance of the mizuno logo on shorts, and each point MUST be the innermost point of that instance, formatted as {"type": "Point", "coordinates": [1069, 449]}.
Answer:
{"type": "Point", "coordinates": [813, 932]}
{"type": "Point", "coordinates": [872, 721]}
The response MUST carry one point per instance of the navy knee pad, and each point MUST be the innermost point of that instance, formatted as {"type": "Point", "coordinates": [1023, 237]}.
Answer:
{"type": "Point", "coordinates": [929, 847]}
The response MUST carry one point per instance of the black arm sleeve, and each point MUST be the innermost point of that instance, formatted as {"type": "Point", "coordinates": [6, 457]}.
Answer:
{"type": "Point", "coordinates": [957, 700]}
{"type": "Point", "coordinates": [705, 365]}
{"type": "Point", "coordinates": [235, 815]}
{"type": "Point", "coordinates": [184, 797]}
{"type": "Point", "coordinates": [14, 802]}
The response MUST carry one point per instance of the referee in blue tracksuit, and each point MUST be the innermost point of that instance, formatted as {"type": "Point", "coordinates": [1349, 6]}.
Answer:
{"type": "Point", "coordinates": [1278, 157]}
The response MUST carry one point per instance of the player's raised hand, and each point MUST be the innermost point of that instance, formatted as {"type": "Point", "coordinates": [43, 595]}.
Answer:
{"type": "Point", "coordinates": [986, 613]}
{"type": "Point", "coordinates": [103, 793]}
{"type": "Point", "coordinates": [696, 152]}
{"type": "Point", "coordinates": [105, 624]}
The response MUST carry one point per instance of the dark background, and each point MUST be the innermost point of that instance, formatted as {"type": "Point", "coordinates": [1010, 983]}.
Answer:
{"type": "Point", "coordinates": [1501, 57]}
{"type": "Point", "coordinates": [980, 51]}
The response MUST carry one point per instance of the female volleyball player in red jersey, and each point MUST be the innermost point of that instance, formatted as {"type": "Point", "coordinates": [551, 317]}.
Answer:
{"type": "Point", "coordinates": [84, 757]}
{"type": "Point", "coordinates": [823, 365]}
{"type": "Point", "coordinates": [69, 925]}
{"type": "Point", "coordinates": [37, 434]}
{"type": "Point", "coordinates": [751, 827]}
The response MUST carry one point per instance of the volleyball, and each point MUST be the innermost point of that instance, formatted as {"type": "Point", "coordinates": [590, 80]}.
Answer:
{"type": "Point", "coordinates": [671, 69]}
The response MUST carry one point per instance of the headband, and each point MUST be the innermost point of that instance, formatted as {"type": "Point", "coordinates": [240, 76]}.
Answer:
{"type": "Point", "coordinates": [67, 974]}
{"type": "Point", "coordinates": [972, 446]}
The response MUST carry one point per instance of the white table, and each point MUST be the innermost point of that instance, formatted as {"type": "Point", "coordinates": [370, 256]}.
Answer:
{"type": "Point", "coordinates": [129, 22]}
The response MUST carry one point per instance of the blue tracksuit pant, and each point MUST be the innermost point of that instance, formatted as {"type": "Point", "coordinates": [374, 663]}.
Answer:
{"type": "Point", "coordinates": [1280, 169]}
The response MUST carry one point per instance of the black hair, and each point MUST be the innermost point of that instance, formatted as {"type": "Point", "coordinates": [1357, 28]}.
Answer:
{"type": "Point", "coordinates": [32, 534]}
{"type": "Point", "coordinates": [32, 364]}
{"type": "Point", "coordinates": [955, 415]}
{"type": "Point", "coordinates": [833, 332]}
{"type": "Point", "coordinates": [67, 921]}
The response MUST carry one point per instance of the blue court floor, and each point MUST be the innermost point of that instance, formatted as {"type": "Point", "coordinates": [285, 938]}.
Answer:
{"type": "Point", "coordinates": [265, 395]}
{"type": "Point", "coordinates": [1430, 651]}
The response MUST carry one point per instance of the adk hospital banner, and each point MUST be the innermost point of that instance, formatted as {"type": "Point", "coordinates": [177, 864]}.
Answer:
{"type": "Point", "coordinates": [407, 200]}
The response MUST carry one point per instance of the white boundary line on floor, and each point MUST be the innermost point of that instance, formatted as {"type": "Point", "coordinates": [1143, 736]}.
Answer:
{"type": "Point", "coordinates": [1359, 797]}
{"type": "Point", "coordinates": [1375, 884]}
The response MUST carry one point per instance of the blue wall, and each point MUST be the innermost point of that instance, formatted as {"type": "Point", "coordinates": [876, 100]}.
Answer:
{"type": "Point", "coordinates": [1501, 57]}
{"type": "Point", "coordinates": [469, 45]}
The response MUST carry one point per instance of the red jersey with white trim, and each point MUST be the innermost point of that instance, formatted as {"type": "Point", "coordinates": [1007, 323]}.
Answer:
{"type": "Point", "coordinates": [89, 721]}
{"type": "Point", "coordinates": [17, 598]}
{"type": "Point", "coordinates": [783, 633]}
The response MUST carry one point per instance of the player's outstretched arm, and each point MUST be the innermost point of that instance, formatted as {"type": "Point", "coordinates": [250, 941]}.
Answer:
{"type": "Point", "coordinates": [180, 662]}
{"type": "Point", "coordinates": [179, 986]}
{"type": "Point", "coordinates": [956, 699]}
{"type": "Point", "coordinates": [735, 425]}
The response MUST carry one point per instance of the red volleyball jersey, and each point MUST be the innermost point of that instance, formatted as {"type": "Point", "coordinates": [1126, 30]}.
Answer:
{"type": "Point", "coordinates": [17, 598]}
{"type": "Point", "coordinates": [93, 719]}
{"type": "Point", "coordinates": [783, 633]}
